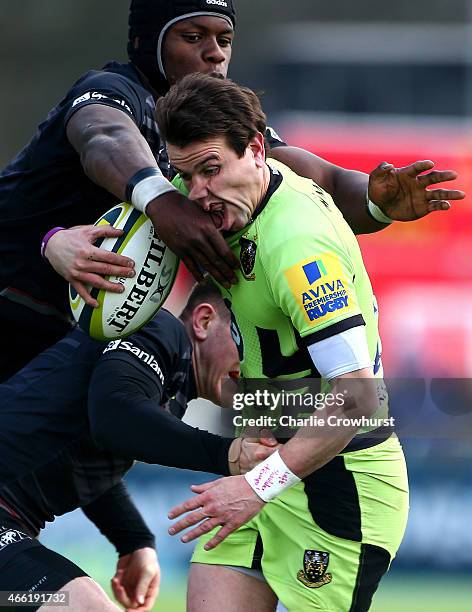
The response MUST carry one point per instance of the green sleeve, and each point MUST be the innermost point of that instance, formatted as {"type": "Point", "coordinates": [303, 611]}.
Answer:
{"type": "Point", "coordinates": [312, 278]}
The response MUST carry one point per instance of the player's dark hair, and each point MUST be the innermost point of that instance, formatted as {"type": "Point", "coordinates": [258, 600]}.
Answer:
{"type": "Point", "coordinates": [205, 292]}
{"type": "Point", "coordinates": [202, 106]}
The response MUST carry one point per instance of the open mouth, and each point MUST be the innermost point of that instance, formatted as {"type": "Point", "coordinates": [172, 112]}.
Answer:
{"type": "Point", "coordinates": [218, 218]}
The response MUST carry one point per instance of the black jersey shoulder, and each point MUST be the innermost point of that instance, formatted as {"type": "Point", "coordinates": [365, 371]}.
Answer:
{"type": "Point", "coordinates": [161, 351]}
{"type": "Point", "coordinates": [45, 185]}
{"type": "Point", "coordinates": [162, 339]}
{"type": "Point", "coordinates": [115, 85]}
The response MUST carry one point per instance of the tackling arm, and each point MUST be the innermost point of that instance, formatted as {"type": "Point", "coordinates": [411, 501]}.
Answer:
{"type": "Point", "coordinates": [110, 146]}
{"type": "Point", "coordinates": [137, 577]}
{"type": "Point", "coordinates": [139, 428]}
{"type": "Point", "coordinates": [401, 193]}
{"type": "Point", "coordinates": [112, 150]}
{"type": "Point", "coordinates": [126, 418]}
{"type": "Point", "coordinates": [347, 187]}
{"type": "Point", "coordinates": [118, 519]}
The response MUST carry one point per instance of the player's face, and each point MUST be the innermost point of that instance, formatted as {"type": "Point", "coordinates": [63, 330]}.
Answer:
{"type": "Point", "coordinates": [218, 359]}
{"type": "Point", "coordinates": [223, 184]}
{"type": "Point", "coordinates": [197, 44]}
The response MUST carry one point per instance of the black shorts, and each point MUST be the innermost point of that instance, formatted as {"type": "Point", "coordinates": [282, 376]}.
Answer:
{"type": "Point", "coordinates": [27, 565]}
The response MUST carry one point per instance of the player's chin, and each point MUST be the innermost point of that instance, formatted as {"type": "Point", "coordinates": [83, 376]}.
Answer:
{"type": "Point", "coordinates": [237, 223]}
{"type": "Point", "coordinates": [216, 395]}
{"type": "Point", "coordinates": [229, 386]}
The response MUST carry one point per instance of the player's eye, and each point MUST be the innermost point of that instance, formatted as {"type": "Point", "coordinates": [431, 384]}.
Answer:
{"type": "Point", "coordinates": [225, 41]}
{"type": "Point", "coordinates": [185, 177]}
{"type": "Point", "coordinates": [211, 170]}
{"type": "Point", "coordinates": [192, 38]}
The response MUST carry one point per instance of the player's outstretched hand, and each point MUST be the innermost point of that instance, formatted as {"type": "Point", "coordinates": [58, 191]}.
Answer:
{"type": "Point", "coordinates": [229, 502]}
{"type": "Point", "coordinates": [193, 235]}
{"type": "Point", "coordinates": [403, 194]}
{"type": "Point", "coordinates": [71, 252]}
{"type": "Point", "coordinates": [136, 582]}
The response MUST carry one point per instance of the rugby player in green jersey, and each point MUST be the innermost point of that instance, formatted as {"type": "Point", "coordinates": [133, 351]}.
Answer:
{"type": "Point", "coordinates": [323, 517]}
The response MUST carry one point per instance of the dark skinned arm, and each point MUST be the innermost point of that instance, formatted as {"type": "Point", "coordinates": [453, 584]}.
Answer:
{"type": "Point", "coordinates": [112, 150]}
{"type": "Point", "coordinates": [401, 193]}
{"type": "Point", "coordinates": [110, 146]}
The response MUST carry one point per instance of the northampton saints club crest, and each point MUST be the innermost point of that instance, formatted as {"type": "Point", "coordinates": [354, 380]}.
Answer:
{"type": "Point", "coordinates": [315, 564]}
{"type": "Point", "coordinates": [247, 257]}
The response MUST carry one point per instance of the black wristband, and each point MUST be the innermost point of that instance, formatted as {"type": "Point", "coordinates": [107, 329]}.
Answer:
{"type": "Point", "coordinates": [137, 177]}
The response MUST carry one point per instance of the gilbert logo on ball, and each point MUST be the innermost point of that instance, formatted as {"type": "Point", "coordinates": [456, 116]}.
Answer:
{"type": "Point", "coordinates": [121, 314]}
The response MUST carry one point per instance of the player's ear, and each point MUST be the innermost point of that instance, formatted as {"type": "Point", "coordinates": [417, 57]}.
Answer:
{"type": "Point", "coordinates": [203, 316]}
{"type": "Point", "coordinates": [257, 146]}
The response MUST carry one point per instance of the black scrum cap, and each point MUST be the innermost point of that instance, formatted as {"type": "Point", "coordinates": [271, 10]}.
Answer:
{"type": "Point", "coordinates": [151, 19]}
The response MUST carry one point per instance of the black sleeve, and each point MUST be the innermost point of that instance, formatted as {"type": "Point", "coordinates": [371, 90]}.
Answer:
{"type": "Point", "coordinates": [106, 88]}
{"type": "Point", "coordinates": [126, 418]}
{"type": "Point", "coordinates": [118, 519]}
{"type": "Point", "coordinates": [272, 139]}
{"type": "Point", "coordinates": [332, 330]}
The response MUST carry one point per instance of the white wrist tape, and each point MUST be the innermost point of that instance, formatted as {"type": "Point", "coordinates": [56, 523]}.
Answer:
{"type": "Point", "coordinates": [149, 188]}
{"type": "Point", "coordinates": [377, 213]}
{"type": "Point", "coordinates": [271, 477]}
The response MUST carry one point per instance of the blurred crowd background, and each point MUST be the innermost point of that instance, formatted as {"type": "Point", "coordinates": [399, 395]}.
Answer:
{"type": "Point", "coordinates": [357, 83]}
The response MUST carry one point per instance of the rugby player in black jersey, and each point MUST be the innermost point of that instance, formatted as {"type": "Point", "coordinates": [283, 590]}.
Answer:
{"type": "Point", "coordinates": [100, 145]}
{"type": "Point", "coordinates": [74, 420]}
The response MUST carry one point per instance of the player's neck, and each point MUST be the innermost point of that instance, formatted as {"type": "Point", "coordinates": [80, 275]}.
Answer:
{"type": "Point", "coordinates": [264, 186]}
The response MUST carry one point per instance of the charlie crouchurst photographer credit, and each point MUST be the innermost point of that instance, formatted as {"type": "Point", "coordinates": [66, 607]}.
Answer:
{"type": "Point", "coordinates": [264, 400]}
{"type": "Point", "coordinates": [310, 421]}
{"type": "Point", "coordinates": [418, 408]}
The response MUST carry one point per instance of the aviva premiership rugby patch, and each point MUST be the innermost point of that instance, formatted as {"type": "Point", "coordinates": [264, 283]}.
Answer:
{"type": "Point", "coordinates": [321, 288]}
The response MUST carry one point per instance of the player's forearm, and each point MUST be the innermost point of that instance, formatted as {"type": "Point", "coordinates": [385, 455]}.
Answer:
{"type": "Point", "coordinates": [139, 429]}
{"type": "Point", "coordinates": [147, 433]}
{"type": "Point", "coordinates": [304, 455]}
{"type": "Point", "coordinates": [350, 196]}
{"type": "Point", "coordinates": [348, 188]}
{"type": "Point", "coordinates": [118, 519]}
{"type": "Point", "coordinates": [336, 425]}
